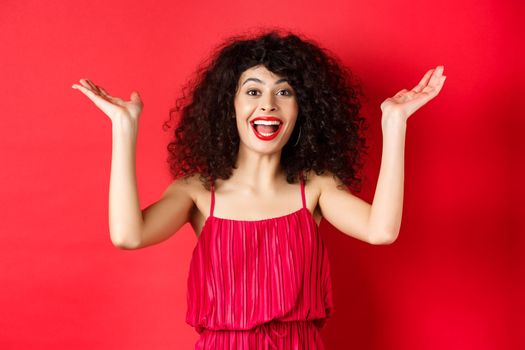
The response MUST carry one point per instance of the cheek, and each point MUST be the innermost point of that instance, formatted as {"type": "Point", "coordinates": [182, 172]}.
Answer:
{"type": "Point", "coordinates": [294, 113]}
{"type": "Point", "coordinates": [293, 125]}
{"type": "Point", "coordinates": [293, 108]}
{"type": "Point", "coordinates": [243, 128]}
{"type": "Point", "coordinates": [243, 110]}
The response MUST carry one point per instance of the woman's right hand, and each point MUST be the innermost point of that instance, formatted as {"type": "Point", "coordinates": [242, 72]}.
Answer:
{"type": "Point", "coordinates": [115, 108]}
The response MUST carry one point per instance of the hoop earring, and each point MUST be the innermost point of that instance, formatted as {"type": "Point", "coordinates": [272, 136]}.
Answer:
{"type": "Point", "coordinates": [298, 137]}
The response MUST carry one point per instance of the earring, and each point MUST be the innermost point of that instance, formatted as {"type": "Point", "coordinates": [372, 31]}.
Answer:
{"type": "Point", "coordinates": [298, 137]}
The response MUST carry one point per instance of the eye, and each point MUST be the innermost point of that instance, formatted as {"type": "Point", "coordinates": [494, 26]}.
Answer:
{"type": "Point", "coordinates": [288, 92]}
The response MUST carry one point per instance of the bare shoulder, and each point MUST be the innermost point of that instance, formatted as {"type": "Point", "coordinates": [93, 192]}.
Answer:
{"type": "Point", "coordinates": [189, 186]}
{"type": "Point", "coordinates": [324, 181]}
{"type": "Point", "coordinates": [168, 214]}
{"type": "Point", "coordinates": [341, 208]}
{"type": "Point", "coordinates": [316, 184]}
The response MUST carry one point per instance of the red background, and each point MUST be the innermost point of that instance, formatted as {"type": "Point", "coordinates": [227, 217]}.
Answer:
{"type": "Point", "coordinates": [454, 279]}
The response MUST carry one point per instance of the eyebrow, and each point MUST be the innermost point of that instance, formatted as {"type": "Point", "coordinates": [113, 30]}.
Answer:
{"type": "Point", "coordinates": [262, 82]}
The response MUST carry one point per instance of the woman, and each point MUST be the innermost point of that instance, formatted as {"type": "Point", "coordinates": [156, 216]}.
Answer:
{"type": "Point", "coordinates": [264, 114]}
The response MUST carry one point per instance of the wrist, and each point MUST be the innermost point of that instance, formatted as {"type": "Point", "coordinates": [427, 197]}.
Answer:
{"type": "Point", "coordinates": [123, 125]}
{"type": "Point", "coordinates": [395, 121]}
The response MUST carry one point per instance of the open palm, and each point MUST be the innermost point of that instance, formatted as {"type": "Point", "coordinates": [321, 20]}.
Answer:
{"type": "Point", "coordinates": [113, 107]}
{"type": "Point", "coordinates": [406, 102]}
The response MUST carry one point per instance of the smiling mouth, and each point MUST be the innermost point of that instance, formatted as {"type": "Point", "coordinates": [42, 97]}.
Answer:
{"type": "Point", "coordinates": [266, 130]}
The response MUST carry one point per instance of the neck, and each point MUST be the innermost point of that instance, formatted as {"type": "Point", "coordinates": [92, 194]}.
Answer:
{"type": "Point", "coordinates": [257, 171]}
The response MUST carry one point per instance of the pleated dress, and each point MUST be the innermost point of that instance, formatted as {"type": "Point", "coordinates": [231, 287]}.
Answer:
{"type": "Point", "coordinates": [259, 284]}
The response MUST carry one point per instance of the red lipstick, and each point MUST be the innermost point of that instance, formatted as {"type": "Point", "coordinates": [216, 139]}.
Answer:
{"type": "Point", "coordinates": [269, 120]}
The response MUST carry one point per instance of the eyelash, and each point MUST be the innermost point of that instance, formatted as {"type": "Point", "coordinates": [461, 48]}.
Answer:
{"type": "Point", "coordinates": [288, 91]}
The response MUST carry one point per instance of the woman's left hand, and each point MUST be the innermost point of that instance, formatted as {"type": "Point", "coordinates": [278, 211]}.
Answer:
{"type": "Point", "coordinates": [405, 103]}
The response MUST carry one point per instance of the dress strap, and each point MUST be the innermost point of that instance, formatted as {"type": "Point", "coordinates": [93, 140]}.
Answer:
{"type": "Point", "coordinates": [212, 206]}
{"type": "Point", "coordinates": [302, 189]}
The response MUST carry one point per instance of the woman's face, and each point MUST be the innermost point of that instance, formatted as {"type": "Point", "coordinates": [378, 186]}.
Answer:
{"type": "Point", "coordinates": [266, 110]}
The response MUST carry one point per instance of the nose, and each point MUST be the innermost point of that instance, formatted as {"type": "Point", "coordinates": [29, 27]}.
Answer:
{"type": "Point", "coordinates": [267, 104]}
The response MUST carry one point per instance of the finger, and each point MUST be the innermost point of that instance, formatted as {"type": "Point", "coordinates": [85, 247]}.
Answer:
{"type": "Point", "coordinates": [100, 89]}
{"type": "Point", "coordinates": [90, 84]}
{"type": "Point", "coordinates": [106, 94]}
{"type": "Point", "coordinates": [400, 92]}
{"type": "Point", "coordinates": [104, 91]}
{"type": "Point", "coordinates": [440, 84]}
{"type": "Point", "coordinates": [435, 88]}
{"type": "Point", "coordinates": [87, 90]}
{"type": "Point", "coordinates": [116, 100]}
{"type": "Point", "coordinates": [135, 97]}
{"type": "Point", "coordinates": [85, 84]}
{"type": "Point", "coordinates": [436, 76]}
{"type": "Point", "coordinates": [95, 87]}
{"type": "Point", "coordinates": [96, 99]}
{"type": "Point", "coordinates": [113, 99]}
{"type": "Point", "coordinates": [423, 82]}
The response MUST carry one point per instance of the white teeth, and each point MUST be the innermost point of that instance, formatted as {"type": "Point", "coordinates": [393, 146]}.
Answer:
{"type": "Point", "coordinates": [266, 122]}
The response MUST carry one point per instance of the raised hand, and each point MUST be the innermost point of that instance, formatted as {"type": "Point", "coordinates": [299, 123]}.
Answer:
{"type": "Point", "coordinates": [405, 102]}
{"type": "Point", "coordinates": [113, 107]}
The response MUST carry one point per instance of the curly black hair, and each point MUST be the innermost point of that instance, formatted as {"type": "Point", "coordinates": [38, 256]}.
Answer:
{"type": "Point", "coordinates": [206, 142]}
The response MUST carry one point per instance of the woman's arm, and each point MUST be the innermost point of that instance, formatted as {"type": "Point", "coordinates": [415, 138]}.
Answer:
{"type": "Point", "coordinates": [129, 226]}
{"type": "Point", "coordinates": [387, 206]}
{"type": "Point", "coordinates": [379, 222]}
{"type": "Point", "coordinates": [125, 215]}
{"type": "Point", "coordinates": [385, 214]}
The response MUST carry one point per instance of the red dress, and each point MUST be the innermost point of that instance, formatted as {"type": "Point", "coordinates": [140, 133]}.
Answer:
{"type": "Point", "coordinates": [259, 284]}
